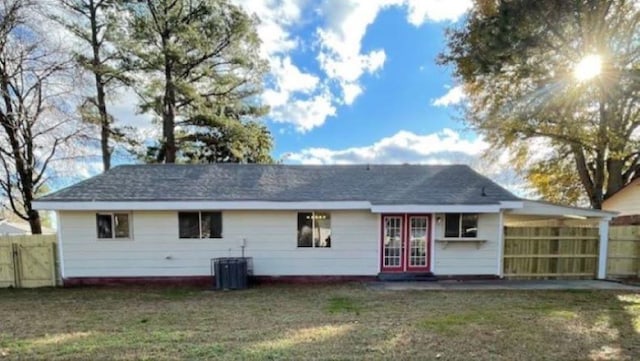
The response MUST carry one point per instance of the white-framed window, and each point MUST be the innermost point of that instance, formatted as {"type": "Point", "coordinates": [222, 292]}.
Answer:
{"type": "Point", "coordinates": [201, 224]}
{"type": "Point", "coordinates": [314, 230]}
{"type": "Point", "coordinates": [113, 225]}
{"type": "Point", "coordinates": [461, 225]}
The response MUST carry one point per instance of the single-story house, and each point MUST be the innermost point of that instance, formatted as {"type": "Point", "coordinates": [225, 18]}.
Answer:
{"type": "Point", "coordinates": [165, 222]}
{"type": "Point", "coordinates": [626, 202]}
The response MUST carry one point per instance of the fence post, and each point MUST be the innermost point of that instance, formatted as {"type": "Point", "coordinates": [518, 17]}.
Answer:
{"type": "Point", "coordinates": [501, 231]}
{"type": "Point", "coordinates": [604, 247]}
{"type": "Point", "coordinates": [17, 279]}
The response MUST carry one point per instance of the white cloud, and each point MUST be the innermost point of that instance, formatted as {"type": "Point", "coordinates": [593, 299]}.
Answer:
{"type": "Point", "coordinates": [420, 11]}
{"type": "Point", "coordinates": [296, 97]}
{"type": "Point", "coordinates": [304, 99]}
{"type": "Point", "coordinates": [276, 16]}
{"type": "Point", "coordinates": [288, 80]}
{"type": "Point", "coordinates": [444, 147]}
{"type": "Point", "coordinates": [340, 40]}
{"type": "Point", "coordinates": [454, 96]}
{"type": "Point", "coordinates": [346, 23]}
{"type": "Point", "coordinates": [351, 92]}
{"type": "Point", "coordinates": [306, 114]}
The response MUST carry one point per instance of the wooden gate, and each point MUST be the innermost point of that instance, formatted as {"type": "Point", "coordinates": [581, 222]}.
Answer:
{"type": "Point", "coordinates": [27, 261]}
{"type": "Point", "coordinates": [624, 251]}
{"type": "Point", "coordinates": [550, 252]}
{"type": "Point", "coordinates": [7, 267]}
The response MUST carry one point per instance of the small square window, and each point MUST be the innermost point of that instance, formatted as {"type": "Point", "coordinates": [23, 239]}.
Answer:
{"type": "Point", "coordinates": [314, 230]}
{"type": "Point", "coordinates": [200, 224]}
{"type": "Point", "coordinates": [461, 225]}
{"type": "Point", "coordinates": [113, 225]}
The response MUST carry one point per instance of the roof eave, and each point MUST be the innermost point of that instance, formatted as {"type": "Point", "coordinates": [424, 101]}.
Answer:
{"type": "Point", "coordinates": [267, 205]}
{"type": "Point", "coordinates": [531, 207]}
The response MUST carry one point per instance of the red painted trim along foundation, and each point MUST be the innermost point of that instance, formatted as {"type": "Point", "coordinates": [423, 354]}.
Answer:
{"type": "Point", "coordinates": [139, 281]}
{"type": "Point", "coordinates": [207, 281]}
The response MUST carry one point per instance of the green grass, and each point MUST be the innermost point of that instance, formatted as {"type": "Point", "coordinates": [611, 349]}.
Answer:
{"type": "Point", "coordinates": [346, 322]}
{"type": "Point", "coordinates": [343, 304]}
{"type": "Point", "coordinates": [453, 323]}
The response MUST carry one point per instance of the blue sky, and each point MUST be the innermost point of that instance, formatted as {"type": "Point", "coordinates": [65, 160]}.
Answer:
{"type": "Point", "coordinates": [347, 73]}
{"type": "Point", "coordinates": [350, 75]}
{"type": "Point", "coordinates": [397, 96]}
{"type": "Point", "coordinates": [356, 81]}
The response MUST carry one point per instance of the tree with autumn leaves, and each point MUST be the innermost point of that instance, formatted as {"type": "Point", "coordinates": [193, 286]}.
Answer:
{"type": "Point", "coordinates": [557, 84]}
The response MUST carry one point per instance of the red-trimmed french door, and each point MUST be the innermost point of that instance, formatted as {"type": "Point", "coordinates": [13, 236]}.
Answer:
{"type": "Point", "coordinates": [405, 242]}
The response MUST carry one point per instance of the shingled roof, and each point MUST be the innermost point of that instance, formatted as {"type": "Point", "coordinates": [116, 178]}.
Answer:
{"type": "Point", "coordinates": [377, 184]}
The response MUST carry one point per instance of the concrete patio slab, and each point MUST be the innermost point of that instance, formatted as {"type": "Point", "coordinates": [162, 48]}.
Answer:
{"type": "Point", "coordinates": [505, 285]}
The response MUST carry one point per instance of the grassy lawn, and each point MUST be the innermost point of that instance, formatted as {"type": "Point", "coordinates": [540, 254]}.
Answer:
{"type": "Point", "coordinates": [317, 322]}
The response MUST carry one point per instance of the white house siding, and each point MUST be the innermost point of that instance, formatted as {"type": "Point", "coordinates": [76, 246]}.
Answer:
{"type": "Point", "coordinates": [467, 258]}
{"type": "Point", "coordinates": [156, 250]}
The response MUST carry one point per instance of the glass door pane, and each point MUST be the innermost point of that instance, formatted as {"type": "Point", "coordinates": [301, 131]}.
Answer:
{"type": "Point", "coordinates": [418, 241]}
{"type": "Point", "coordinates": [393, 244]}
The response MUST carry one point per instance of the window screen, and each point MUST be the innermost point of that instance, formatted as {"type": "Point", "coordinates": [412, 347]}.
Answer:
{"type": "Point", "coordinates": [461, 225]}
{"type": "Point", "coordinates": [469, 225]}
{"type": "Point", "coordinates": [200, 224]}
{"type": "Point", "coordinates": [121, 226]}
{"type": "Point", "coordinates": [211, 225]}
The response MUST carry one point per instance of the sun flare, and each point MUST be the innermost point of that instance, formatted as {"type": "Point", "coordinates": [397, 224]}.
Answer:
{"type": "Point", "coordinates": [589, 67]}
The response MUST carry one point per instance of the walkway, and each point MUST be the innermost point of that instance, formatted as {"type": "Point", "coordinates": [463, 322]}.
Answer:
{"type": "Point", "coordinates": [505, 285]}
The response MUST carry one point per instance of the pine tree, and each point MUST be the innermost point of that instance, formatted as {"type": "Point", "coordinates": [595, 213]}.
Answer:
{"type": "Point", "coordinates": [198, 69]}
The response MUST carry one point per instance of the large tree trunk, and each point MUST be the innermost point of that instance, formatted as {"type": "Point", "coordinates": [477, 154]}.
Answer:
{"type": "Point", "coordinates": [104, 140]}
{"type": "Point", "coordinates": [169, 110]}
{"type": "Point", "coordinates": [595, 198]}
{"type": "Point", "coordinates": [616, 178]}
{"type": "Point", "coordinates": [105, 126]}
{"type": "Point", "coordinates": [34, 222]}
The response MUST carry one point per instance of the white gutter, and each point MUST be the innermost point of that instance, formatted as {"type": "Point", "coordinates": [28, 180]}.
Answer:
{"type": "Point", "coordinates": [263, 205]}
{"type": "Point", "coordinates": [196, 205]}
{"type": "Point", "coordinates": [436, 208]}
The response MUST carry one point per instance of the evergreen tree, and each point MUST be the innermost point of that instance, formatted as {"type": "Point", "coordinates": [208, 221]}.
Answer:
{"type": "Point", "coordinates": [198, 70]}
{"type": "Point", "coordinates": [94, 23]}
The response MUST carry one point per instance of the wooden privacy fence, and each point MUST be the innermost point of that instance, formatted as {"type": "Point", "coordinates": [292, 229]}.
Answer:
{"type": "Point", "coordinates": [550, 252]}
{"type": "Point", "coordinates": [624, 251]}
{"type": "Point", "coordinates": [28, 261]}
